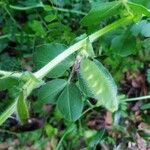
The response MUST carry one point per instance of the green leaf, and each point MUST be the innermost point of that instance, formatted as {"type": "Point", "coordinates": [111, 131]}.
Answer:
{"type": "Point", "coordinates": [8, 112]}
{"type": "Point", "coordinates": [7, 83]}
{"type": "Point", "coordinates": [27, 5]}
{"type": "Point", "coordinates": [136, 28]}
{"type": "Point", "coordinates": [70, 103]}
{"type": "Point", "coordinates": [146, 3]}
{"type": "Point", "coordinates": [146, 44]}
{"type": "Point", "coordinates": [37, 27]}
{"type": "Point", "coordinates": [50, 18]}
{"type": "Point", "coordinates": [3, 44]}
{"type": "Point", "coordinates": [142, 28]}
{"type": "Point", "coordinates": [22, 109]}
{"type": "Point", "coordinates": [99, 84]}
{"type": "Point", "coordinates": [146, 30]}
{"type": "Point", "coordinates": [50, 130]}
{"type": "Point", "coordinates": [148, 75]}
{"type": "Point", "coordinates": [124, 45]}
{"type": "Point", "coordinates": [88, 49]}
{"type": "Point", "coordinates": [139, 9]}
{"type": "Point", "coordinates": [9, 63]}
{"type": "Point", "coordinates": [50, 91]}
{"type": "Point", "coordinates": [101, 11]}
{"type": "Point", "coordinates": [47, 52]}
{"type": "Point", "coordinates": [145, 106]}
{"type": "Point", "coordinates": [96, 138]}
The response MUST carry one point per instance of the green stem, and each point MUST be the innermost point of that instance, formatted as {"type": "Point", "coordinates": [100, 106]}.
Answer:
{"type": "Point", "coordinates": [8, 112]}
{"type": "Point", "coordinates": [93, 37]}
{"type": "Point", "coordinates": [70, 11]}
{"type": "Point", "coordinates": [17, 34]}
{"type": "Point", "coordinates": [27, 7]}
{"type": "Point", "coordinates": [12, 74]}
{"type": "Point", "coordinates": [68, 130]}
{"type": "Point", "coordinates": [138, 98]}
{"type": "Point", "coordinates": [47, 68]}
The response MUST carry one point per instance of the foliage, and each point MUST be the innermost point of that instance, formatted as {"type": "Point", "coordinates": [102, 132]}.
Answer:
{"type": "Point", "coordinates": [53, 79]}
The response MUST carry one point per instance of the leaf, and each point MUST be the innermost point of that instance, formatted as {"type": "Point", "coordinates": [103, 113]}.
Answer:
{"type": "Point", "coordinates": [50, 18]}
{"type": "Point", "coordinates": [146, 3]}
{"type": "Point", "coordinates": [27, 5]}
{"type": "Point", "coordinates": [99, 84]}
{"type": "Point", "coordinates": [22, 109]}
{"type": "Point", "coordinates": [50, 130]}
{"type": "Point", "coordinates": [88, 49]}
{"type": "Point", "coordinates": [7, 83]}
{"type": "Point", "coordinates": [146, 44]}
{"type": "Point", "coordinates": [101, 11]}
{"type": "Point", "coordinates": [145, 106]}
{"type": "Point", "coordinates": [9, 63]}
{"type": "Point", "coordinates": [70, 103]}
{"type": "Point", "coordinates": [136, 28]}
{"type": "Point", "coordinates": [139, 9]}
{"type": "Point", "coordinates": [70, 129]}
{"type": "Point", "coordinates": [3, 44]}
{"type": "Point", "coordinates": [50, 91]}
{"type": "Point", "coordinates": [96, 138]}
{"type": "Point", "coordinates": [142, 27]}
{"type": "Point", "coordinates": [47, 52]}
{"type": "Point", "coordinates": [8, 112]}
{"type": "Point", "coordinates": [37, 27]}
{"type": "Point", "coordinates": [148, 75]}
{"type": "Point", "coordinates": [146, 30]}
{"type": "Point", "coordinates": [124, 45]}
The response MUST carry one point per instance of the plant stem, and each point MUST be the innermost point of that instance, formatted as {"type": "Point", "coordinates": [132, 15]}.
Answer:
{"type": "Point", "coordinates": [27, 7]}
{"type": "Point", "coordinates": [8, 112]}
{"type": "Point", "coordinates": [12, 74]}
{"type": "Point", "coordinates": [138, 98]}
{"type": "Point", "coordinates": [47, 68]}
{"type": "Point", "coordinates": [70, 11]}
{"type": "Point", "coordinates": [77, 46]}
{"type": "Point", "coordinates": [17, 34]}
{"type": "Point", "coordinates": [68, 130]}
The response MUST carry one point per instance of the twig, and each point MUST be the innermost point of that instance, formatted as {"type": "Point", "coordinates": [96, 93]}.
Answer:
{"type": "Point", "coordinates": [138, 98]}
{"type": "Point", "coordinates": [70, 11]}
{"type": "Point", "coordinates": [11, 74]}
{"type": "Point", "coordinates": [17, 34]}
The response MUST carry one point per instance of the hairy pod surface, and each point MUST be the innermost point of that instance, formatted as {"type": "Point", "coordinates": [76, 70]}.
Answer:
{"type": "Point", "coordinates": [96, 82]}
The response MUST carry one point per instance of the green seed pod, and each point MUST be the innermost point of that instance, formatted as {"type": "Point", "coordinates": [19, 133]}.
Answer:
{"type": "Point", "coordinates": [95, 81]}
